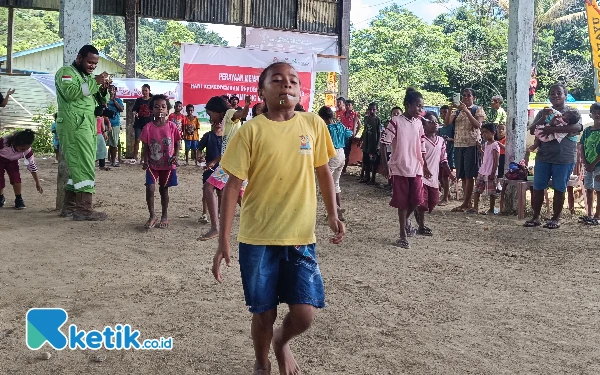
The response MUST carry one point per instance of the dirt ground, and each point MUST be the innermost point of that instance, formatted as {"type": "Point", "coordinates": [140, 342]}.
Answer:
{"type": "Point", "coordinates": [465, 301]}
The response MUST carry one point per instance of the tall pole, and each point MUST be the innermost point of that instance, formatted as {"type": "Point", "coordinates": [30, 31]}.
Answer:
{"type": "Point", "coordinates": [520, 48]}
{"type": "Point", "coordinates": [76, 30]}
{"type": "Point", "coordinates": [10, 38]}
{"type": "Point", "coordinates": [344, 44]}
{"type": "Point", "coordinates": [131, 29]}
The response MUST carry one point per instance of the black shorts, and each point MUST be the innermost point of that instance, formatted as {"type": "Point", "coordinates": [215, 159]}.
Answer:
{"type": "Point", "coordinates": [348, 147]}
{"type": "Point", "coordinates": [467, 161]}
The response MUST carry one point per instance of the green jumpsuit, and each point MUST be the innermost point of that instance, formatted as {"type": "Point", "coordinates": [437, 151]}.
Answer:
{"type": "Point", "coordinates": [76, 125]}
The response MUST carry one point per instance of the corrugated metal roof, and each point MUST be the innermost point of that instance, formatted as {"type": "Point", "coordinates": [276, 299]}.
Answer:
{"type": "Point", "coordinates": [32, 4]}
{"type": "Point", "coordinates": [319, 16]}
{"type": "Point", "coordinates": [274, 14]}
{"type": "Point", "coordinates": [314, 16]}
{"type": "Point", "coordinates": [34, 50]}
{"type": "Point", "coordinates": [109, 7]}
{"type": "Point", "coordinates": [172, 9]}
{"type": "Point", "coordinates": [214, 11]}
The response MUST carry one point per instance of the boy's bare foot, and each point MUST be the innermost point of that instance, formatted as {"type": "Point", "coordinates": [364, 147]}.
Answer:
{"type": "Point", "coordinates": [164, 223]}
{"type": "Point", "coordinates": [283, 353]}
{"type": "Point", "coordinates": [212, 233]}
{"type": "Point", "coordinates": [261, 370]}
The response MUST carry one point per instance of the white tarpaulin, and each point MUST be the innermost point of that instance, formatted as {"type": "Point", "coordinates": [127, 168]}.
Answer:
{"type": "Point", "coordinates": [127, 88]}
{"type": "Point", "coordinates": [289, 41]}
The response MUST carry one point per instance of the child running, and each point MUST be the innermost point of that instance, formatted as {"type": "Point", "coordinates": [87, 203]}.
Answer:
{"type": "Point", "coordinates": [406, 166]}
{"type": "Point", "coordinates": [437, 160]}
{"type": "Point", "coordinates": [221, 113]}
{"type": "Point", "coordinates": [339, 134]}
{"type": "Point", "coordinates": [160, 145]}
{"type": "Point", "coordinates": [12, 148]}
{"type": "Point", "coordinates": [488, 172]}
{"type": "Point", "coordinates": [589, 145]}
{"type": "Point", "coordinates": [278, 153]}
{"type": "Point", "coordinates": [212, 142]}
{"type": "Point", "coordinates": [370, 145]}
{"type": "Point", "coordinates": [190, 134]}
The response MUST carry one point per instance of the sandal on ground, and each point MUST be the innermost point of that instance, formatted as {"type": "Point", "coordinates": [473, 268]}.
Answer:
{"type": "Point", "coordinates": [532, 223]}
{"type": "Point", "coordinates": [552, 224]}
{"type": "Point", "coordinates": [151, 223]}
{"type": "Point", "coordinates": [471, 211]}
{"type": "Point", "coordinates": [458, 209]}
{"type": "Point", "coordinates": [487, 213]}
{"type": "Point", "coordinates": [425, 232]}
{"type": "Point", "coordinates": [203, 238]}
{"type": "Point", "coordinates": [592, 221]}
{"type": "Point", "coordinates": [402, 243]}
{"type": "Point", "coordinates": [164, 223]}
{"type": "Point", "coordinates": [116, 164]}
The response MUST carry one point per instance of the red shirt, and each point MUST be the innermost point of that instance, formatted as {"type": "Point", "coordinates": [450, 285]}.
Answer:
{"type": "Point", "coordinates": [502, 142]}
{"type": "Point", "coordinates": [347, 118]}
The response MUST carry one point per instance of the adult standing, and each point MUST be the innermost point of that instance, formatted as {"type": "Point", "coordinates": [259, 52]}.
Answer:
{"type": "Point", "coordinates": [116, 105]}
{"type": "Point", "coordinates": [143, 115]}
{"type": "Point", "coordinates": [78, 93]}
{"type": "Point", "coordinates": [553, 159]}
{"type": "Point", "coordinates": [467, 122]}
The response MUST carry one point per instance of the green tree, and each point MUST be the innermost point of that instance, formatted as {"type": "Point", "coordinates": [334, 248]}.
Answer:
{"type": "Point", "coordinates": [32, 28]}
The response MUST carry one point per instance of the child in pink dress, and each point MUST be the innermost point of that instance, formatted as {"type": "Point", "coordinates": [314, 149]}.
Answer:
{"type": "Point", "coordinates": [488, 172]}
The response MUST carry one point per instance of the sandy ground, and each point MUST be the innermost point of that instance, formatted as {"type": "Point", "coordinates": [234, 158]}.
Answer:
{"type": "Point", "coordinates": [466, 301]}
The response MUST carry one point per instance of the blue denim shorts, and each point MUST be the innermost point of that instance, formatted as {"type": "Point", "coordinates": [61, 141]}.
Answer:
{"type": "Point", "coordinates": [560, 174]}
{"type": "Point", "coordinates": [280, 274]}
{"type": "Point", "coordinates": [591, 180]}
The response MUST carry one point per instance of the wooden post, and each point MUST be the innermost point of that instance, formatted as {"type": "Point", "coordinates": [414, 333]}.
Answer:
{"type": "Point", "coordinates": [520, 42]}
{"type": "Point", "coordinates": [344, 46]}
{"type": "Point", "coordinates": [10, 38]}
{"type": "Point", "coordinates": [131, 26]}
{"type": "Point", "coordinates": [76, 29]}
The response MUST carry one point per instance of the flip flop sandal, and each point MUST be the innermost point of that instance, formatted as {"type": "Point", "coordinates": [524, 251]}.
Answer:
{"type": "Point", "coordinates": [592, 221]}
{"type": "Point", "coordinates": [532, 224]}
{"type": "Point", "coordinates": [164, 224]}
{"type": "Point", "coordinates": [425, 232]}
{"type": "Point", "coordinates": [458, 209]}
{"type": "Point", "coordinates": [552, 224]}
{"type": "Point", "coordinates": [151, 223]}
{"type": "Point", "coordinates": [470, 211]}
{"type": "Point", "coordinates": [485, 213]}
{"type": "Point", "coordinates": [202, 238]}
{"type": "Point", "coordinates": [116, 164]}
{"type": "Point", "coordinates": [402, 243]}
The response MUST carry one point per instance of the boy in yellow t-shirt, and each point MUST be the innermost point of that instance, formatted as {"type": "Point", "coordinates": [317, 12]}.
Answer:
{"type": "Point", "coordinates": [278, 153]}
{"type": "Point", "coordinates": [190, 134]}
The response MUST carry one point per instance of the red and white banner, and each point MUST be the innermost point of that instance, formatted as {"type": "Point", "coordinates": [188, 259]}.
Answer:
{"type": "Point", "coordinates": [208, 71]}
{"type": "Point", "coordinates": [127, 88]}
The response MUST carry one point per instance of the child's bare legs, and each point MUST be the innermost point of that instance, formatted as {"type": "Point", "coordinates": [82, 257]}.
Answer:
{"type": "Point", "coordinates": [296, 322]}
{"type": "Point", "coordinates": [591, 202]}
{"type": "Point", "coordinates": [557, 204]}
{"type": "Point", "coordinates": [187, 154]}
{"type": "Point", "coordinates": [262, 336]}
{"type": "Point", "coordinates": [136, 148]}
{"type": "Point", "coordinates": [56, 156]}
{"type": "Point", "coordinates": [403, 219]}
{"type": "Point", "coordinates": [476, 202]}
{"type": "Point", "coordinates": [492, 204]}
{"type": "Point", "coordinates": [150, 202]}
{"type": "Point", "coordinates": [420, 215]}
{"type": "Point", "coordinates": [571, 198]}
{"type": "Point", "coordinates": [374, 173]}
{"type": "Point", "coordinates": [194, 156]}
{"type": "Point", "coordinates": [446, 189]}
{"type": "Point", "coordinates": [164, 201]}
{"type": "Point", "coordinates": [204, 209]}
{"type": "Point", "coordinates": [211, 204]}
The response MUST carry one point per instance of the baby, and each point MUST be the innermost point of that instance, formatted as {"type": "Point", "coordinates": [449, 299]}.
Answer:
{"type": "Point", "coordinates": [569, 117]}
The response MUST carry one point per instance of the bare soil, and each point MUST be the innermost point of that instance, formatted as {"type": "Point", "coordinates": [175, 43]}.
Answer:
{"type": "Point", "coordinates": [482, 296]}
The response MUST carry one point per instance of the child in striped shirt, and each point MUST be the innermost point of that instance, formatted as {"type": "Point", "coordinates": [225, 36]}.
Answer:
{"type": "Point", "coordinates": [12, 148]}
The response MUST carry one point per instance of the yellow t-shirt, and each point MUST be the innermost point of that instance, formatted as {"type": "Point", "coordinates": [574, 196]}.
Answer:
{"type": "Point", "coordinates": [230, 127]}
{"type": "Point", "coordinates": [279, 160]}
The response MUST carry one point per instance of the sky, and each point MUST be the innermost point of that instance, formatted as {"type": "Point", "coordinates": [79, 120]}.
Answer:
{"type": "Point", "coordinates": [361, 12]}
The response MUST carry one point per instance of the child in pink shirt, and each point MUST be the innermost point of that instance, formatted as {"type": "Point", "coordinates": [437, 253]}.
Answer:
{"type": "Point", "coordinates": [406, 165]}
{"type": "Point", "coordinates": [12, 148]}
{"type": "Point", "coordinates": [161, 141]}
{"type": "Point", "coordinates": [436, 158]}
{"type": "Point", "coordinates": [488, 177]}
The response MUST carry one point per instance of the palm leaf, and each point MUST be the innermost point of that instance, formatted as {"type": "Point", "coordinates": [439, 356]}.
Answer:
{"type": "Point", "coordinates": [554, 12]}
{"type": "Point", "coordinates": [569, 18]}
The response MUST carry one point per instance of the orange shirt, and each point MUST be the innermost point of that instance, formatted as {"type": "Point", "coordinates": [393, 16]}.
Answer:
{"type": "Point", "coordinates": [503, 143]}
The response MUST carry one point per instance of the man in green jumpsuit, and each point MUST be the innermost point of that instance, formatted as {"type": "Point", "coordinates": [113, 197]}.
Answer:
{"type": "Point", "coordinates": [78, 93]}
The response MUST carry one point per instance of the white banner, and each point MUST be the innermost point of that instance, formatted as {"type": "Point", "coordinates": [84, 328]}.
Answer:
{"type": "Point", "coordinates": [127, 88]}
{"type": "Point", "coordinates": [289, 41]}
{"type": "Point", "coordinates": [208, 71]}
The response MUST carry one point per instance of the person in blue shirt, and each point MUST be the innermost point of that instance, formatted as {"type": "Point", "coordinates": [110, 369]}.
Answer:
{"type": "Point", "coordinates": [55, 142]}
{"type": "Point", "coordinates": [116, 105]}
{"type": "Point", "coordinates": [339, 135]}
